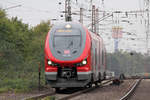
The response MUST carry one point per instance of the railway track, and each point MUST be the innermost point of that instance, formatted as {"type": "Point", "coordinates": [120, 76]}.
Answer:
{"type": "Point", "coordinates": [69, 96]}
{"type": "Point", "coordinates": [131, 91]}
{"type": "Point", "coordinates": [84, 91]}
{"type": "Point", "coordinates": [39, 96]}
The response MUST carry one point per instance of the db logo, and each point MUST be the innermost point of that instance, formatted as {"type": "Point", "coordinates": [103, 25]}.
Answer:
{"type": "Point", "coordinates": [66, 51]}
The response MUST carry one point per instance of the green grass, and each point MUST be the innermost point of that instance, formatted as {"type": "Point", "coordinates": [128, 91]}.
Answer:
{"type": "Point", "coordinates": [16, 85]}
{"type": "Point", "coordinates": [4, 89]}
{"type": "Point", "coordinates": [20, 82]}
{"type": "Point", "coordinates": [46, 98]}
{"type": "Point", "coordinates": [49, 98]}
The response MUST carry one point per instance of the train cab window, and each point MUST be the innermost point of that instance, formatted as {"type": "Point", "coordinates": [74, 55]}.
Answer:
{"type": "Point", "coordinates": [67, 42]}
{"type": "Point", "coordinates": [67, 39]}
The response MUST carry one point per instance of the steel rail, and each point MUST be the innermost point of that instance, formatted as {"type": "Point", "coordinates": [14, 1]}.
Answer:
{"type": "Point", "coordinates": [84, 91]}
{"type": "Point", "coordinates": [40, 96]}
{"type": "Point", "coordinates": [131, 91]}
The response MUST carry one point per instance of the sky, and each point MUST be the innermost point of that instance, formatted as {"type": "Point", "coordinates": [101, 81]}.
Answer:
{"type": "Point", "coordinates": [33, 12]}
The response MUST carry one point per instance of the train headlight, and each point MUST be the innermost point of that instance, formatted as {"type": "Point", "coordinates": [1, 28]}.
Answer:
{"type": "Point", "coordinates": [68, 26]}
{"type": "Point", "coordinates": [84, 62]}
{"type": "Point", "coordinates": [49, 62]}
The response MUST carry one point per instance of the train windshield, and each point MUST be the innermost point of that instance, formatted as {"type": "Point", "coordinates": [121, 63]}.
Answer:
{"type": "Point", "coordinates": [67, 40]}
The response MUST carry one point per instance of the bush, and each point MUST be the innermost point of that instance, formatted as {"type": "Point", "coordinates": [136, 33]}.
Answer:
{"type": "Point", "coordinates": [21, 49]}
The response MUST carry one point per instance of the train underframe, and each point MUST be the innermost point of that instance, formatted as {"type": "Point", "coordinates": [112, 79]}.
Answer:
{"type": "Point", "coordinates": [69, 77]}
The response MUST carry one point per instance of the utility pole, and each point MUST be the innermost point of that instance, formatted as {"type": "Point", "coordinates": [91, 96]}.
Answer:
{"type": "Point", "coordinates": [81, 15]}
{"type": "Point", "coordinates": [91, 4]}
{"type": "Point", "coordinates": [147, 4]}
{"type": "Point", "coordinates": [97, 22]}
{"type": "Point", "coordinates": [68, 11]}
{"type": "Point", "coordinates": [93, 20]}
{"type": "Point", "coordinates": [102, 5]}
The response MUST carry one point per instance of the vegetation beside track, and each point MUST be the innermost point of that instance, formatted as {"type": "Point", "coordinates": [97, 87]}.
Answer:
{"type": "Point", "coordinates": [21, 51]}
{"type": "Point", "coordinates": [129, 63]}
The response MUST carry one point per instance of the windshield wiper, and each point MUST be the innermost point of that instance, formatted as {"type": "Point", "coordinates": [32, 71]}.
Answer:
{"type": "Point", "coordinates": [70, 44]}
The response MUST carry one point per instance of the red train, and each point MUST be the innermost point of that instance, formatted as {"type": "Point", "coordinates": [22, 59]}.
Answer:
{"type": "Point", "coordinates": [74, 57]}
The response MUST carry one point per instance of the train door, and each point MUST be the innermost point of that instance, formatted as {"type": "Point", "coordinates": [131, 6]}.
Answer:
{"type": "Point", "coordinates": [99, 57]}
{"type": "Point", "coordinates": [92, 56]}
{"type": "Point", "coordinates": [103, 63]}
{"type": "Point", "coordinates": [96, 64]}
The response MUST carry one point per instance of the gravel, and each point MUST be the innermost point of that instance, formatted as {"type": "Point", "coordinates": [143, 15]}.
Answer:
{"type": "Point", "coordinates": [20, 96]}
{"type": "Point", "coordinates": [143, 91]}
{"type": "Point", "coordinates": [110, 92]}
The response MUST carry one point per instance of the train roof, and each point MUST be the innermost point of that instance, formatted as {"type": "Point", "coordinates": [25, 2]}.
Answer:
{"type": "Point", "coordinates": [68, 25]}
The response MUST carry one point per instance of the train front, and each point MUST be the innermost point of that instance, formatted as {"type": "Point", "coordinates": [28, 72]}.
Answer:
{"type": "Point", "coordinates": [67, 56]}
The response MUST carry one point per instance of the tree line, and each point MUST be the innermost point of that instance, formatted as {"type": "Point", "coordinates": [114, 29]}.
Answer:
{"type": "Point", "coordinates": [21, 50]}
{"type": "Point", "coordinates": [128, 63]}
